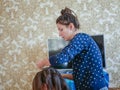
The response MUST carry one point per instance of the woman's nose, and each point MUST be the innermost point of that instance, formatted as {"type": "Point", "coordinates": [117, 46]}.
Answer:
{"type": "Point", "coordinates": [59, 34]}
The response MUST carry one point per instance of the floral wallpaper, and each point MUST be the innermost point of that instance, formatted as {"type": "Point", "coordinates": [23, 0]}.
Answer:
{"type": "Point", "coordinates": [25, 26]}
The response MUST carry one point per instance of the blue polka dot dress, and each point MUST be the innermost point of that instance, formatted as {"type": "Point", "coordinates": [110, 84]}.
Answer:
{"type": "Point", "coordinates": [87, 62]}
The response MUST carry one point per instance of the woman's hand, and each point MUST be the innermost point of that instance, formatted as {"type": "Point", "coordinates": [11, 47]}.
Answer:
{"type": "Point", "coordinates": [68, 76]}
{"type": "Point", "coordinates": [42, 63]}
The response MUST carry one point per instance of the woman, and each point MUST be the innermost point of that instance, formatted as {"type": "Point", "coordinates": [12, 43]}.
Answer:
{"type": "Point", "coordinates": [82, 49]}
{"type": "Point", "coordinates": [49, 79]}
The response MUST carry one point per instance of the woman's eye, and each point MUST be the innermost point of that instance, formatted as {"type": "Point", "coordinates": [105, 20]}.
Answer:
{"type": "Point", "coordinates": [61, 29]}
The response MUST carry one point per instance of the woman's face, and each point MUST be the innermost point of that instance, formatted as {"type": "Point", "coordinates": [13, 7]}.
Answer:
{"type": "Point", "coordinates": [65, 31]}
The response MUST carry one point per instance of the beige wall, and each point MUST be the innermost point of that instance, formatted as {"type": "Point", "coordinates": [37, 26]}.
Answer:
{"type": "Point", "coordinates": [25, 26]}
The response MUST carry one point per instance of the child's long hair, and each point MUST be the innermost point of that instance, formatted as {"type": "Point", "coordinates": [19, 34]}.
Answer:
{"type": "Point", "coordinates": [49, 77]}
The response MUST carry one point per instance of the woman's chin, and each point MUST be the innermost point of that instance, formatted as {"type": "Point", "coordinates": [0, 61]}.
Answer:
{"type": "Point", "coordinates": [65, 39]}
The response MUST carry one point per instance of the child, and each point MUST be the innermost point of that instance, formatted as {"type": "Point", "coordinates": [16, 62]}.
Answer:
{"type": "Point", "coordinates": [49, 79]}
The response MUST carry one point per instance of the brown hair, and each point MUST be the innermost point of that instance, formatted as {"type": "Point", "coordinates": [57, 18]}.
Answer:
{"type": "Point", "coordinates": [68, 16]}
{"type": "Point", "coordinates": [51, 77]}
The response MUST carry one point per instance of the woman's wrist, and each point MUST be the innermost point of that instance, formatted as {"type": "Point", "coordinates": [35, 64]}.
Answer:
{"type": "Point", "coordinates": [68, 76]}
{"type": "Point", "coordinates": [43, 63]}
{"type": "Point", "coordinates": [47, 63]}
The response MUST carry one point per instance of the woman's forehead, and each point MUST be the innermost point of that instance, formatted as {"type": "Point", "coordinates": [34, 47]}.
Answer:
{"type": "Point", "coordinates": [60, 25]}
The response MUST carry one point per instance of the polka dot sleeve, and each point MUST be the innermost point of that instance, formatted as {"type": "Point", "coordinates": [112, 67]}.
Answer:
{"type": "Point", "coordinates": [76, 45]}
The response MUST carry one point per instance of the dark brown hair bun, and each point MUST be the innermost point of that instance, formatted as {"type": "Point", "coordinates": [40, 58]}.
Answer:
{"type": "Point", "coordinates": [66, 11]}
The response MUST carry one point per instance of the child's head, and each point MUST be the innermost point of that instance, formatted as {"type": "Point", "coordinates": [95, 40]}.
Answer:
{"type": "Point", "coordinates": [49, 79]}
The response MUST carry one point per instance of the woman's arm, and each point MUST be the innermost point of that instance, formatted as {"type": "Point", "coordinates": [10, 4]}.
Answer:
{"type": "Point", "coordinates": [68, 76]}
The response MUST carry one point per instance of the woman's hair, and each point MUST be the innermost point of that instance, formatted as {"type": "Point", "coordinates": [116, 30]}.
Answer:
{"type": "Point", "coordinates": [49, 77]}
{"type": "Point", "coordinates": [68, 16]}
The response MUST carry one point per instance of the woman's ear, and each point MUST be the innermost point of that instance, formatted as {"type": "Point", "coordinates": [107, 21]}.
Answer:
{"type": "Point", "coordinates": [71, 26]}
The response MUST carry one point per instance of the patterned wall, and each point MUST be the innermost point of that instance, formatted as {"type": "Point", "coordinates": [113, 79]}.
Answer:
{"type": "Point", "coordinates": [25, 26]}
